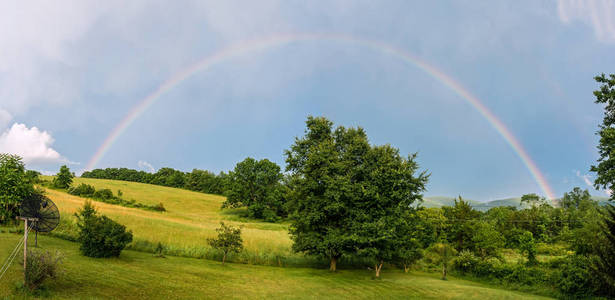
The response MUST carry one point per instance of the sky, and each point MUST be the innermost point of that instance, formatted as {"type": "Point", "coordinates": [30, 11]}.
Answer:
{"type": "Point", "coordinates": [73, 73]}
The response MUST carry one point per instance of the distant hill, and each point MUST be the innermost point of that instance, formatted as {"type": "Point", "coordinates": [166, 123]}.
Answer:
{"type": "Point", "coordinates": [439, 201]}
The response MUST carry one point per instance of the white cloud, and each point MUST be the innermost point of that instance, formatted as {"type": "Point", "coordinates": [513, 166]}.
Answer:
{"type": "Point", "coordinates": [146, 165]}
{"type": "Point", "coordinates": [599, 14]}
{"type": "Point", "coordinates": [32, 144]}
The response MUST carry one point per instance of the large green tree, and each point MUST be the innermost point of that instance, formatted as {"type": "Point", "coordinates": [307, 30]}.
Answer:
{"type": "Point", "coordinates": [326, 179]}
{"type": "Point", "coordinates": [256, 185]}
{"type": "Point", "coordinates": [605, 170]}
{"type": "Point", "coordinates": [605, 178]}
{"type": "Point", "coordinates": [349, 197]}
{"type": "Point", "coordinates": [14, 186]}
{"type": "Point", "coordinates": [383, 214]}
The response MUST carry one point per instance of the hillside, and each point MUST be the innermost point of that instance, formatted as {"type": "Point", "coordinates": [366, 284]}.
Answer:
{"type": "Point", "coordinates": [190, 219]}
{"type": "Point", "coordinates": [439, 201]}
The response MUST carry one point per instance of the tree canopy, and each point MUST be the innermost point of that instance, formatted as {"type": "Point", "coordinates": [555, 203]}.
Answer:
{"type": "Point", "coordinates": [349, 197]}
{"type": "Point", "coordinates": [256, 185]}
{"type": "Point", "coordinates": [14, 186]}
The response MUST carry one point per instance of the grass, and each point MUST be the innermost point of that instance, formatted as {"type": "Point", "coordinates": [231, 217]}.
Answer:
{"type": "Point", "coordinates": [190, 219]}
{"type": "Point", "coordinates": [138, 275]}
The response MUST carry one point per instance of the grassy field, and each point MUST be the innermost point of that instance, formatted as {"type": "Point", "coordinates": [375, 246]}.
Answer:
{"type": "Point", "coordinates": [138, 275]}
{"type": "Point", "coordinates": [190, 219]}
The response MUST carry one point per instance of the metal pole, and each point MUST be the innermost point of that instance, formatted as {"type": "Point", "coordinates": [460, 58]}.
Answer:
{"type": "Point", "coordinates": [25, 250]}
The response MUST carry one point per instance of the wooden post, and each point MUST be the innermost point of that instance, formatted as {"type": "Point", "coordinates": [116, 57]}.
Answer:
{"type": "Point", "coordinates": [25, 248]}
{"type": "Point", "coordinates": [25, 245]}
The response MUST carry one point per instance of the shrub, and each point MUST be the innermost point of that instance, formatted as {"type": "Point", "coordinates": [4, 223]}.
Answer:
{"type": "Point", "coordinates": [83, 189]}
{"type": "Point", "coordinates": [526, 275]}
{"type": "Point", "coordinates": [575, 278]}
{"type": "Point", "coordinates": [104, 194]}
{"type": "Point", "coordinates": [159, 251]}
{"type": "Point", "coordinates": [100, 236]}
{"type": "Point", "coordinates": [527, 245]}
{"type": "Point", "coordinates": [159, 207]}
{"type": "Point", "coordinates": [40, 266]}
{"type": "Point", "coordinates": [550, 249]}
{"type": "Point", "coordinates": [466, 262]}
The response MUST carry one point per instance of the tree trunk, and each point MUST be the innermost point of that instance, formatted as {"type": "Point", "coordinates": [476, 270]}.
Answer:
{"type": "Point", "coordinates": [406, 268]}
{"type": "Point", "coordinates": [444, 271]}
{"type": "Point", "coordinates": [224, 258]}
{"type": "Point", "coordinates": [333, 266]}
{"type": "Point", "coordinates": [378, 268]}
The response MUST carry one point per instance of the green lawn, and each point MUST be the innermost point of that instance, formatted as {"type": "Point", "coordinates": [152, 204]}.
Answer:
{"type": "Point", "coordinates": [138, 275]}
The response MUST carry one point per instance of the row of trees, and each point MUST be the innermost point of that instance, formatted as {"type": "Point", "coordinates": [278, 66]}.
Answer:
{"type": "Point", "coordinates": [197, 180]}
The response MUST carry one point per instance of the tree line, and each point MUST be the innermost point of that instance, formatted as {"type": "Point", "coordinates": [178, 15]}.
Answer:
{"type": "Point", "coordinates": [197, 180]}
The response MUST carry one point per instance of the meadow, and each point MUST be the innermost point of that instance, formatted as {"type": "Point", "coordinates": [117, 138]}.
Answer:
{"type": "Point", "coordinates": [191, 218]}
{"type": "Point", "coordinates": [139, 275]}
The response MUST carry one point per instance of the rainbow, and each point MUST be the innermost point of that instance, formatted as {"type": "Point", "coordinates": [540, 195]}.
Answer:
{"type": "Point", "coordinates": [281, 40]}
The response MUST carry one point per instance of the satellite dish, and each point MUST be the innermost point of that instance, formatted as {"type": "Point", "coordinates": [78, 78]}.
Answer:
{"type": "Point", "coordinates": [43, 210]}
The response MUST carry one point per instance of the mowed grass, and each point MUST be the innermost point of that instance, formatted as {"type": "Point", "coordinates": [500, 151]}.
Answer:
{"type": "Point", "coordinates": [190, 219]}
{"type": "Point", "coordinates": [138, 275]}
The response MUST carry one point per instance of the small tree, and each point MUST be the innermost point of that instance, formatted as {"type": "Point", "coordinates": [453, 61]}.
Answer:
{"type": "Point", "coordinates": [100, 236]}
{"type": "Point", "coordinates": [444, 253]}
{"type": "Point", "coordinates": [409, 253]}
{"type": "Point", "coordinates": [64, 178]}
{"type": "Point", "coordinates": [228, 240]}
{"type": "Point", "coordinates": [527, 246]}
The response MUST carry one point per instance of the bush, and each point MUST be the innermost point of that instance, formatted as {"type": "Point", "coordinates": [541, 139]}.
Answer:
{"type": "Point", "coordinates": [83, 189]}
{"type": "Point", "coordinates": [104, 194]}
{"type": "Point", "coordinates": [466, 262]}
{"type": "Point", "coordinates": [526, 275]}
{"type": "Point", "coordinates": [40, 266]}
{"type": "Point", "coordinates": [159, 207]}
{"type": "Point", "coordinates": [550, 249]}
{"type": "Point", "coordinates": [575, 278]}
{"type": "Point", "coordinates": [159, 251]}
{"type": "Point", "coordinates": [100, 236]}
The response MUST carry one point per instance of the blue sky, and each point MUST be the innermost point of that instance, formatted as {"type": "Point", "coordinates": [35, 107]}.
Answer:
{"type": "Point", "coordinates": [70, 71]}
